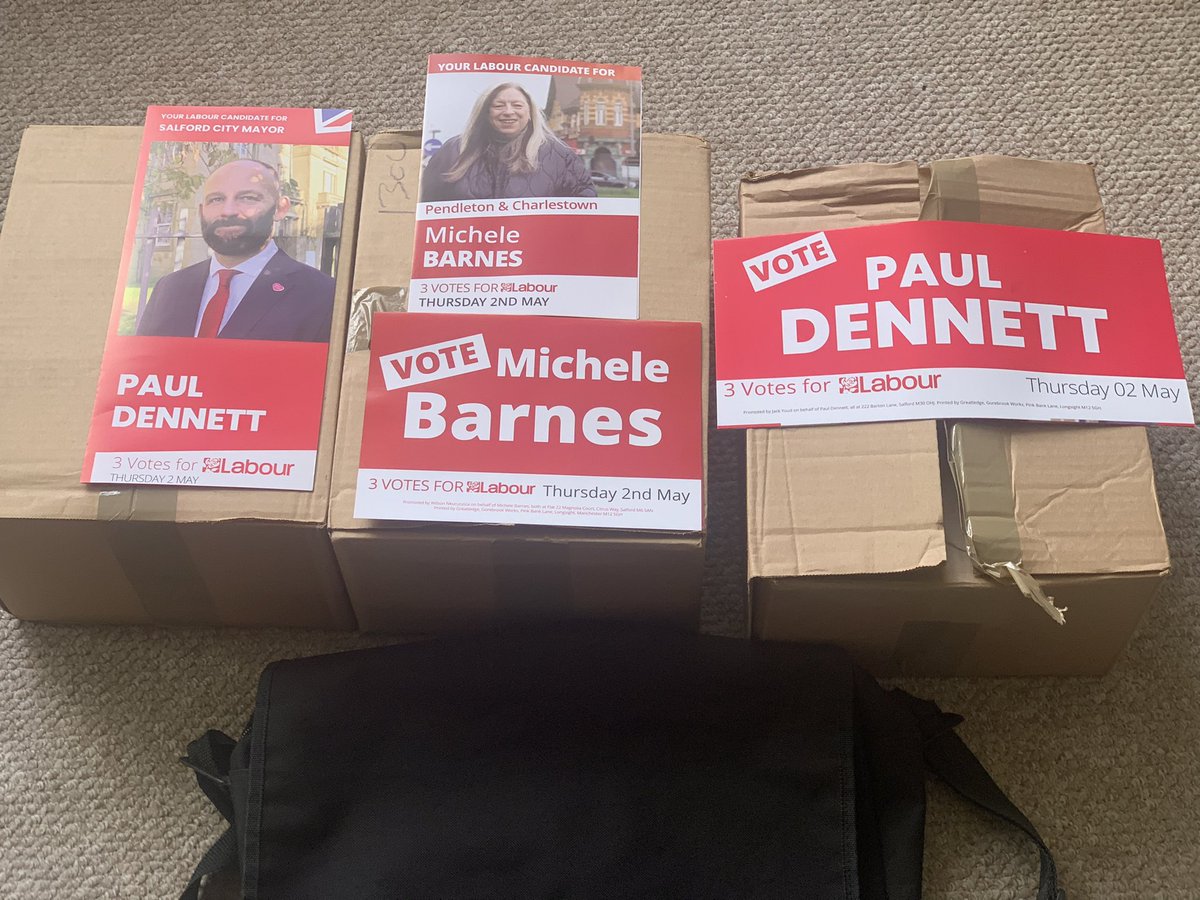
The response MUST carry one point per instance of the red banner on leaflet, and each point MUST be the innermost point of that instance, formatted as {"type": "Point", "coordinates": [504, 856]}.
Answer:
{"type": "Point", "coordinates": [527, 420]}
{"type": "Point", "coordinates": [214, 368]}
{"type": "Point", "coordinates": [924, 320]}
{"type": "Point", "coordinates": [530, 188]}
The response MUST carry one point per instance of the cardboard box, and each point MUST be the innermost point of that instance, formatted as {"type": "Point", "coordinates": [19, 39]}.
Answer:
{"type": "Point", "coordinates": [415, 577]}
{"type": "Point", "coordinates": [71, 552]}
{"type": "Point", "coordinates": [858, 535]}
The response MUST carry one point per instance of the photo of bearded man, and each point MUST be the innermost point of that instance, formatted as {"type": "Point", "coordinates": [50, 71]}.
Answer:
{"type": "Point", "coordinates": [248, 288]}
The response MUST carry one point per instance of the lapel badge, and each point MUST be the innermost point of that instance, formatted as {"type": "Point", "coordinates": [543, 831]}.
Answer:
{"type": "Point", "coordinates": [277, 288]}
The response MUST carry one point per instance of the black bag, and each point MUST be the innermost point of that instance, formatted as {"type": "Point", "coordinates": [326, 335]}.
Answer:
{"type": "Point", "coordinates": [583, 762]}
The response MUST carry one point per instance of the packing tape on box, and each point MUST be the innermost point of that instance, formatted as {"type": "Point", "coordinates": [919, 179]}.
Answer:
{"type": "Point", "coordinates": [363, 307]}
{"type": "Point", "coordinates": [158, 504]}
{"type": "Point", "coordinates": [981, 460]}
{"type": "Point", "coordinates": [146, 542]}
{"type": "Point", "coordinates": [953, 192]}
{"type": "Point", "coordinates": [980, 455]}
{"type": "Point", "coordinates": [1000, 190]}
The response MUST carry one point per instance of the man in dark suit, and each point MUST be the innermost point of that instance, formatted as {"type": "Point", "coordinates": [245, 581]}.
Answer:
{"type": "Point", "coordinates": [249, 288]}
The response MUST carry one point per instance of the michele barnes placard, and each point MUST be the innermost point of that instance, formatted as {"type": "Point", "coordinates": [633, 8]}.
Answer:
{"type": "Point", "coordinates": [530, 188]}
{"type": "Point", "coordinates": [931, 320]}
{"type": "Point", "coordinates": [531, 420]}
{"type": "Point", "coordinates": [214, 366]}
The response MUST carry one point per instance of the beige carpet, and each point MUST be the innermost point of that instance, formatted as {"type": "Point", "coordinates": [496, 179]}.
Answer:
{"type": "Point", "coordinates": [92, 802]}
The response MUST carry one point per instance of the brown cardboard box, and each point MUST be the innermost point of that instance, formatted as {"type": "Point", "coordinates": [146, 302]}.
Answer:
{"type": "Point", "coordinates": [425, 577]}
{"type": "Point", "coordinates": [857, 534]}
{"type": "Point", "coordinates": [98, 553]}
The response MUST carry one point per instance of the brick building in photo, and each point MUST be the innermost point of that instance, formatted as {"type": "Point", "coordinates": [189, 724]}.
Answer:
{"type": "Point", "coordinates": [602, 121]}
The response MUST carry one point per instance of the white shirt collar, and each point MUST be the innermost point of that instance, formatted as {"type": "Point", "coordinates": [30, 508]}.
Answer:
{"type": "Point", "coordinates": [251, 267]}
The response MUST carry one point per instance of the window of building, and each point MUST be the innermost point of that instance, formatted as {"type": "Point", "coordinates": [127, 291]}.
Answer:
{"type": "Point", "coordinates": [328, 188]}
{"type": "Point", "coordinates": [600, 112]}
{"type": "Point", "coordinates": [618, 113]}
{"type": "Point", "coordinates": [161, 220]}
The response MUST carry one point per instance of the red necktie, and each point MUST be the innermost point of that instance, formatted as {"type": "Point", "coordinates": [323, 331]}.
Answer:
{"type": "Point", "coordinates": [210, 324]}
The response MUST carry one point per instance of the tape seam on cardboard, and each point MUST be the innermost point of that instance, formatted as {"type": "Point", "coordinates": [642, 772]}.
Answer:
{"type": "Point", "coordinates": [137, 505]}
{"type": "Point", "coordinates": [146, 542]}
{"type": "Point", "coordinates": [156, 561]}
{"type": "Point", "coordinates": [364, 305]}
{"type": "Point", "coordinates": [953, 193]}
{"type": "Point", "coordinates": [981, 456]}
{"type": "Point", "coordinates": [981, 460]}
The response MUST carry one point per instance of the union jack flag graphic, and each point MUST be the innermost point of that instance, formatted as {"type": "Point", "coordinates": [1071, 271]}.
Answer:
{"type": "Point", "coordinates": [332, 121]}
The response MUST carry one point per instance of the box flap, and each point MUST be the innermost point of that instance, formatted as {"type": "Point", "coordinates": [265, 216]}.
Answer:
{"type": "Point", "coordinates": [1085, 500]}
{"type": "Point", "coordinates": [843, 499]}
{"type": "Point", "coordinates": [675, 263]}
{"type": "Point", "coordinates": [839, 499]}
{"type": "Point", "coordinates": [60, 249]}
{"type": "Point", "coordinates": [828, 197]}
{"type": "Point", "coordinates": [385, 235]}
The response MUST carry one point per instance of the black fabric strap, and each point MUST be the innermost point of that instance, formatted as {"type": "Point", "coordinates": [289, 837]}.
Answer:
{"type": "Point", "coordinates": [208, 756]}
{"type": "Point", "coordinates": [221, 857]}
{"type": "Point", "coordinates": [953, 762]}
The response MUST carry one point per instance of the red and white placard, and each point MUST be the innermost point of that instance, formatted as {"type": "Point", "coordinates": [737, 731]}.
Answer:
{"type": "Point", "coordinates": [928, 320]}
{"type": "Point", "coordinates": [530, 420]}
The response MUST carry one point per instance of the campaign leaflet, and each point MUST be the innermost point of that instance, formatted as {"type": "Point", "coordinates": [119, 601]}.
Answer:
{"type": "Point", "coordinates": [214, 368]}
{"type": "Point", "coordinates": [530, 187]}
{"type": "Point", "coordinates": [533, 420]}
{"type": "Point", "coordinates": [925, 320]}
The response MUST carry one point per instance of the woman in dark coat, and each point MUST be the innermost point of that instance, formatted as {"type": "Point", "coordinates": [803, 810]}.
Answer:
{"type": "Point", "coordinates": [506, 150]}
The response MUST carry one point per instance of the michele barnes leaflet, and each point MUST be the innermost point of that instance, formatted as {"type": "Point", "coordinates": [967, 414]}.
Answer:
{"type": "Point", "coordinates": [214, 368]}
{"type": "Point", "coordinates": [530, 188]}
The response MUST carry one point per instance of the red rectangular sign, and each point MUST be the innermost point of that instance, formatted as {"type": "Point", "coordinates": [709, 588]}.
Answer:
{"type": "Point", "coordinates": [925, 320]}
{"type": "Point", "coordinates": [552, 421]}
{"type": "Point", "coordinates": [214, 367]}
